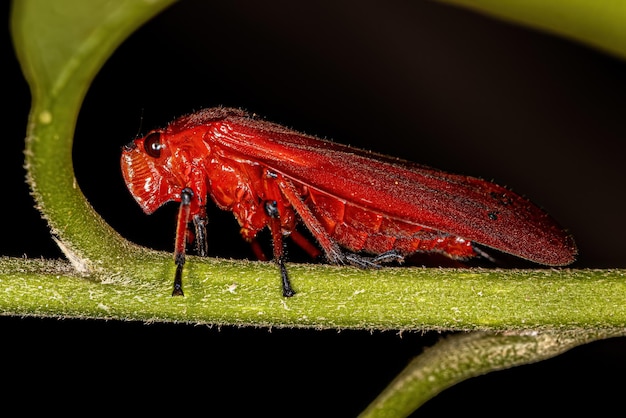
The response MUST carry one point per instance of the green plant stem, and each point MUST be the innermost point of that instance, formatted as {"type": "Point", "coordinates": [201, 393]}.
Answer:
{"type": "Point", "coordinates": [463, 356]}
{"type": "Point", "coordinates": [61, 47]}
{"type": "Point", "coordinates": [248, 293]}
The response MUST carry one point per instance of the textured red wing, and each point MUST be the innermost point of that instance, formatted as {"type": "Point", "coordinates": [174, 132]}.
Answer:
{"type": "Point", "coordinates": [467, 207]}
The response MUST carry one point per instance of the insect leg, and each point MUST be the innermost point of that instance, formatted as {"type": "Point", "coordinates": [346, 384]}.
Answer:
{"type": "Point", "coordinates": [331, 249]}
{"type": "Point", "coordinates": [305, 244]}
{"type": "Point", "coordinates": [271, 208]}
{"type": "Point", "coordinates": [373, 262]}
{"type": "Point", "coordinates": [201, 242]}
{"type": "Point", "coordinates": [181, 239]}
{"type": "Point", "coordinates": [333, 253]}
{"type": "Point", "coordinates": [388, 257]}
{"type": "Point", "coordinates": [257, 250]}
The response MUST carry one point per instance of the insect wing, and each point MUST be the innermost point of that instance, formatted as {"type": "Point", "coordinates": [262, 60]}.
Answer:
{"type": "Point", "coordinates": [463, 206]}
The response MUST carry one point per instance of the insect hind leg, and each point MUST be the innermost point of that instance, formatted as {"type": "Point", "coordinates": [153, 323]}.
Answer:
{"type": "Point", "coordinates": [483, 254]}
{"type": "Point", "coordinates": [372, 262]}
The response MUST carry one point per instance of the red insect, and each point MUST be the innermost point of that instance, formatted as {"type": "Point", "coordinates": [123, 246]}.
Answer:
{"type": "Point", "coordinates": [365, 203]}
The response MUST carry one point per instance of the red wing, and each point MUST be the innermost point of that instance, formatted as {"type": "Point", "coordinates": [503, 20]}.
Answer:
{"type": "Point", "coordinates": [474, 209]}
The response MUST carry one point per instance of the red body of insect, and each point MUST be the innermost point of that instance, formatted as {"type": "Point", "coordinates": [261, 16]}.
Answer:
{"type": "Point", "coordinates": [367, 203]}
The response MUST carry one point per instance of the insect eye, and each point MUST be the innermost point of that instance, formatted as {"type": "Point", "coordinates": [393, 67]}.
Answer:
{"type": "Point", "coordinates": [152, 144]}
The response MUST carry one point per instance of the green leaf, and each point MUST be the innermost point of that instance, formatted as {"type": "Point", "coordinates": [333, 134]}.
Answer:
{"type": "Point", "coordinates": [63, 44]}
{"type": "Point", "coordinates": [600, 24]}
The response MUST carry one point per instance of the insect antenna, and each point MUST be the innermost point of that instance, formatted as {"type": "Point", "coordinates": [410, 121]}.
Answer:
{"type": "Point", "coordinates": [138, 134]}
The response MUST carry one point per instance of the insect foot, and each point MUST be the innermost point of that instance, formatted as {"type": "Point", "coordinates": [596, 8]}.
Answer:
{"type": "Point", "coordinates": [372, 262]}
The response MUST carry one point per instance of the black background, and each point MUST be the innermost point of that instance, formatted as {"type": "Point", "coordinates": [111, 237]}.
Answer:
{"type": "Point", "coordinates": [434, 84]}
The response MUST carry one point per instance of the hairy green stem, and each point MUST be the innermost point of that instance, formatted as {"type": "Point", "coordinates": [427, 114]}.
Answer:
{"type": "Point", "coordinates": [460, 357]}
{"type": "Point", "coordinates": [249, 293]}
{"type": "Point", "coordinates": [61, 47]}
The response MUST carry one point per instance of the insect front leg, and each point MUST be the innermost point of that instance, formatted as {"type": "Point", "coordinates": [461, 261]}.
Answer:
{"type": "Point", "coordinates": [271, 208]}
{"type": "Point", "coordinates": [181, 239]}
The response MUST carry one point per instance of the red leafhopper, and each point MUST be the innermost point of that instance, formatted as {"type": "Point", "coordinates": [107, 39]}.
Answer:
{"type": "Point", "coordinates": [362, 208]}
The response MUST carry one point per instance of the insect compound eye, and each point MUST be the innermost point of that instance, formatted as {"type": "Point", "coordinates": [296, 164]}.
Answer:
{"type": "Point", "coordinates": [152, 144]}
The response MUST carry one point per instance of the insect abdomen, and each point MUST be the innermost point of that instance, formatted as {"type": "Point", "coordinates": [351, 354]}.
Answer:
{"type": "Point", "coordinates": [361, 230]}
